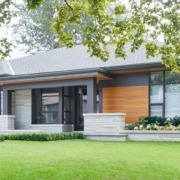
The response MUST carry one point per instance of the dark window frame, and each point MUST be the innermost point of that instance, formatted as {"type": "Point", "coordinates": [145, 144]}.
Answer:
{"type": "Point", "coordinates": [37, 99]}
{"type": "Point", "coordinates": [164, 91]}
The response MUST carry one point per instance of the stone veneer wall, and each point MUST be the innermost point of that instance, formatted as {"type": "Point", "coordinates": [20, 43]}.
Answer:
{"type": "Point", "coordinates": [23, 108]}
{"type": "Point", "coordinates": [6, 122]}
{"type": "Point", "coordinates": [104, 123]}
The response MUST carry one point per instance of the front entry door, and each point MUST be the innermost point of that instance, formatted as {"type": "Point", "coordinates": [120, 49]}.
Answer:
{"type": "Point", "coordinates": [81, 104]}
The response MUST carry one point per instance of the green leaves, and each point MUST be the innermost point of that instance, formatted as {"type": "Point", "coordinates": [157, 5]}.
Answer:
{"type": "Point", "coordinates": [32, 4]}
{"type": "Point", "coordinates": [5, 12]}
{"type": "Point", "coordinates": [97, 23]}
{"type": "Point", "coordinates": [5, 48]}
{"type": "Point", "coordinates": [5, 17]}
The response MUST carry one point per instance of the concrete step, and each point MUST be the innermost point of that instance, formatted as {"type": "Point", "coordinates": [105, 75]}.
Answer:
{"type": "Point", "coordinates": [107, 137]}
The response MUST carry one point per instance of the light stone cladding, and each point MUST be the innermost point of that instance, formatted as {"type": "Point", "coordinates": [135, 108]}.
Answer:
{"type": "Point", "coordinates": [23, 108]}
{"type": "Point", "coordinates": [149, 135]}
{"type": "Point", "coordinates": [6, 122]}
{"type": "Point", "coordinates": [104, 123]}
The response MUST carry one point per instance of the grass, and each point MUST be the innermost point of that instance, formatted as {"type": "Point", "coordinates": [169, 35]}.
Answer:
{"type": "Point", "coordinates": [84, 160]}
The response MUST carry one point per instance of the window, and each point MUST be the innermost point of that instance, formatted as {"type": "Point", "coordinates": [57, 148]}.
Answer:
{"type": "Point", "coordinates": [46, 103]}
{"type": "Point", "coordinates": [67, 105]}
{"type": "Point", "coordinates": [164, 94]}
{"type": "Point", "coordinates": [51, 106]}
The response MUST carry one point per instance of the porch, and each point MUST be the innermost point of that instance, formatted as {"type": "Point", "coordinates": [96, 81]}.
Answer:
{"type": "Point", "coordinates": [52, 106]}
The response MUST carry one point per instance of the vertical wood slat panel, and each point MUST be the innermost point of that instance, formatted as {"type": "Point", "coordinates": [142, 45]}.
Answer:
{"type": "Point", "coordinates": [132, 100]}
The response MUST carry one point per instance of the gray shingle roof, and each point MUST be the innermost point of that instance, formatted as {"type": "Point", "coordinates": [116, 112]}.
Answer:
{"type": "Point", "coordinates": [5, 69]}
{"type": "Point", "coordinates": [77, 58]}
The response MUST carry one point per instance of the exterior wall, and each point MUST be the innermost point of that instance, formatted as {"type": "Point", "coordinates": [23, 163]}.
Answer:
{"type": "Point", "coordinates": [126, 93]}
{"type": "Point", "coordinates": [23, 110]}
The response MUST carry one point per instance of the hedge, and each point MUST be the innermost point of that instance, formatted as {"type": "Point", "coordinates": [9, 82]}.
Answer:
{"type": "Point", "coordinates": [42, 136]}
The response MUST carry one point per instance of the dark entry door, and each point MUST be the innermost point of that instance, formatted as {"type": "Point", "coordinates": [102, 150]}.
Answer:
{"type": "Point", "coordinates": [81, 106]}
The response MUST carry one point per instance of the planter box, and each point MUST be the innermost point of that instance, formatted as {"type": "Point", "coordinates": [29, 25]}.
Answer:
{"type": "Point", "coordinates": [149, 135]}
{"type": "Point", "coordinates": [6, 122]}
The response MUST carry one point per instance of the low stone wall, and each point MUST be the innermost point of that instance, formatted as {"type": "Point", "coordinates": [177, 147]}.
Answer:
{"type": "Point", "coordinates": [103, 123]}
{"type": "Point", "coordinates": [6, 122]}
{"type": "Point", "coordinates": [150, 135]}
{"type": "Point", "coordinates": [52, 127]}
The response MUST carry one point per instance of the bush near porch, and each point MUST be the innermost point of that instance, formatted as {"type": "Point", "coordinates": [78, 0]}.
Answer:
{"type": "Point", "coordinates": [155, 123]}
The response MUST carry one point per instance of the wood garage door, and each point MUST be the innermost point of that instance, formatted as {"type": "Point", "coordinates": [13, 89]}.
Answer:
{"type": "Point", "coordinates": [132, 100]}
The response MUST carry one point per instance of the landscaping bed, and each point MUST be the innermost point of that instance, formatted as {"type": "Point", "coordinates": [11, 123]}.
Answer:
{"type": "Point", "coordinates": [156, 123]}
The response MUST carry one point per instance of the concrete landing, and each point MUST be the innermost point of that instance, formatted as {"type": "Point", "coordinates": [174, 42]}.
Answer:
{"type": "Point", "coordinates": [120, 137]}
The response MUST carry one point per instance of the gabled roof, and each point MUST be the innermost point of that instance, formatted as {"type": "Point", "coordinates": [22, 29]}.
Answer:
{"type": "Point", "coordinates": [65, 60]}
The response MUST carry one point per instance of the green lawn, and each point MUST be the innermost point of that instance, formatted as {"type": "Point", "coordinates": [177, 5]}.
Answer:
{"type": "Point", "coordinates": [83, 159]}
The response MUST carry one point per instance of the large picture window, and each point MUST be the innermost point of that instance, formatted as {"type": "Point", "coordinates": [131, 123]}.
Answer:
{"type": "Point", "coordinates": [45, 106]}
{"type": "Point", "coordinates": [164, 94]}
{"type": "Point", "coordinates": [51, 106]}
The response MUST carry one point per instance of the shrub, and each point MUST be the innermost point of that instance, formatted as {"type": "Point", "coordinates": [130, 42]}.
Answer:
{"type": "Point", "coordinates": [132, 126]}
{"type": "Point", "coordinates": [155, 123]}
{"type": "Point", "coordinates": [176, 121]}
{"type": "Point", "coordinates": [44, 136]}
{"type": "Point", "coordinates": [2, 138]}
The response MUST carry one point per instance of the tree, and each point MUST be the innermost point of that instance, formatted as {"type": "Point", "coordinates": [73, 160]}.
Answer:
{"type": "Point", "coordinates": [138, 22]}
{"type": "Point", "coordinates": [5, 17]}
{"type": "Point", "coordinates": [34, 27]}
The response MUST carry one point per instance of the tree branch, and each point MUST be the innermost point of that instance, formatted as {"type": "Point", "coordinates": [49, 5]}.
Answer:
{"type": "Point", "coordinates": [68, 5]}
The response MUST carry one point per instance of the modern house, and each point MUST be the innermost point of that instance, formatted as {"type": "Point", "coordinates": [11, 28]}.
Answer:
{"type": "Point", "coordinates": [50, 91]}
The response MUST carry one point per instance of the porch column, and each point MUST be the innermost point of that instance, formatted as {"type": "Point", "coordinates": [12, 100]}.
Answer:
{"type": "Point", "coordinates": [91, 96]}
{"type": "Point", "coordinates": [6, 99]}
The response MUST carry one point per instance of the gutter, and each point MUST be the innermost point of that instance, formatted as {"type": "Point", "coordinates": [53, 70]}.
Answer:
{"type": "Point", "coordinates": [52, 74]}
{"type": "Point", "coordinates": [80, 72]}
{"type": "Point", "coordinates": [134, 66]}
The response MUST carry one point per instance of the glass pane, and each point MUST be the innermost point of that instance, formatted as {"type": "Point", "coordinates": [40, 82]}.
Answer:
{"type": "Point", "coordinates": [67, 118]}
{"type": "Point", "coordinates": [156, 78]}
{"type": "Point", "coordinates": [47, 118]}
{"type": "Point", "coordinates": [50, 103]}
{"type": "Point", "coordinates": [156, 110]}
{"type": "Point", "coordinates": [172, 77]}
{"type": "Point", "coordinates": [50, 117]}
{"type": "Point", "coordinates": [67, 104]}
{"type": "Point", "coordinates": [172, 100]}
{"type": "Point", "coordinates": [156, 95]}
